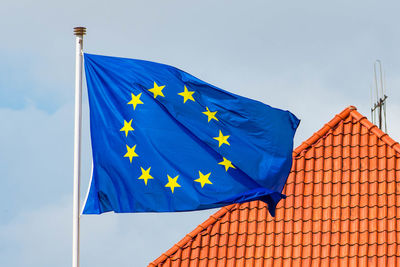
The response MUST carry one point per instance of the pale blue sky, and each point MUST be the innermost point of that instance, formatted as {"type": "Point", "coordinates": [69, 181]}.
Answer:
{"type": "Point", "coordinates": [312, 57]}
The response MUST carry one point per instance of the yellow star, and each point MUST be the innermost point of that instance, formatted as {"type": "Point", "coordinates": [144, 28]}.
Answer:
{"type": "Point", "coordinates": [187, 95]}
{"type": "Point", "coordinates": [227, 164]}
{"type": "Point", "coordinates": [157, 90]}
{"type": "Point", "coordinates": [172, 183]}
{"type": "Point", "coordinates": [130, 153]}
{"type": "Point", "coordinates": [127, 127]}
{"type": "Point", "coordinates": [135, 100]}
{"type": "Point", "coordinates": [222, 139]}
{"type": "Point", "coordinates": [203, 179]}
{"type": "Point", "coordinates": [210, 114]}
{"type": "Point", "coordinates": [145, 175]}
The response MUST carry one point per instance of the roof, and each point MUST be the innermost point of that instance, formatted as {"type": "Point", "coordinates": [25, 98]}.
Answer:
{"type": "Point", "coordinates": [342, 208]}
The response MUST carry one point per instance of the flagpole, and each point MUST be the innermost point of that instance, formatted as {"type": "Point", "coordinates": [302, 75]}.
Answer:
{"type": "Point", "coordinates": [78, 32]}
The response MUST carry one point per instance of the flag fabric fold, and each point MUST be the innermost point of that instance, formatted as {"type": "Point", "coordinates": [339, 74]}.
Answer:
{"type": "Point", "coordinates": [163, 140]}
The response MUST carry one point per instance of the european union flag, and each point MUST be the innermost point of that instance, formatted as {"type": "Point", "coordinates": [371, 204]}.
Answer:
{"type": "Point", "coordinates": [163, 140]}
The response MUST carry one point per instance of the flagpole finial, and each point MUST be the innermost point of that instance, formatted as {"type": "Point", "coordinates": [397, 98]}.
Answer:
{"type": "Point", "coordinates": [79, 31]}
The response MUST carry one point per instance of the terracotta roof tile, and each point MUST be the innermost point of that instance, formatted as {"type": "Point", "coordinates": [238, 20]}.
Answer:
{"type": "Point", "coordinates": [342, 208]}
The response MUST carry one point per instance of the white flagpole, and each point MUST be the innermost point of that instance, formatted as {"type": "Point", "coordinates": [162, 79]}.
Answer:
{"type": "Point", "coordinates": [78, 32]}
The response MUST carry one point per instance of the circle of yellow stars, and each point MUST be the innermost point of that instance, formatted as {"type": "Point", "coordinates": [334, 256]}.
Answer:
{"type": "Point", "coordinates": [222, 139]}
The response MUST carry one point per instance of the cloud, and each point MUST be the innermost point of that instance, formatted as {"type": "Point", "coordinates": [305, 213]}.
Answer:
{"type": "Point", "coordinates": [134, 239]}
{"type": "Point", "coordinates": [38, 237]}
{"type": "Point", "coordinates": [312, 58]}
{"type": "Point", "coordinates": [43, 236]}
{"type": "Point", "coordinates": [36, 156]}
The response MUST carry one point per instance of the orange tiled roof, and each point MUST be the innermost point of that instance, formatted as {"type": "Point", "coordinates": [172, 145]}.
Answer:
{"type": "Point", "coordinates": [342, 208]}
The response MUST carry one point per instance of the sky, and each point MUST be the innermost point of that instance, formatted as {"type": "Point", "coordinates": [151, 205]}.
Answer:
{"type": "Point", "coordinates": [313, 58]}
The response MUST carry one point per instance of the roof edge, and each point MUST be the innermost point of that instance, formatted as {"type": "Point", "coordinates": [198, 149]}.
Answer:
{"type": "Point", "coordinates": [349, 111]}
{"type": "Point", "coordinates": [212, 219]}
{"type": "Point", "coordinates": [328, 126]}
{"type": "Point", "coordinates": [375, 130]}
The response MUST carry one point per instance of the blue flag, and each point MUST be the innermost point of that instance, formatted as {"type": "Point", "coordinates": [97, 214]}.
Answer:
{"type": "Point", "coordinates": [163, 140]}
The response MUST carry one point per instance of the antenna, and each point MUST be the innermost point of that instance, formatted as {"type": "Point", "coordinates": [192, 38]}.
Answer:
{"type": "Point", "coordinates": [378, 101]}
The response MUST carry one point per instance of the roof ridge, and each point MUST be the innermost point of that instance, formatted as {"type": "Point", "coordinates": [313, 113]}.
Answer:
{"type": "Point", "coordinates": [321, 132]}
{"type": "Point", "coordinates": [349, 111]}
{"type": "Point", "coordinates": [375, 130]}
{"type": "Point", "coordinates": [212, 219]}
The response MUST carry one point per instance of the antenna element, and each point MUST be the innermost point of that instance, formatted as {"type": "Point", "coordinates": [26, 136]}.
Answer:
{"type": "Point", "coordinates": [378, 101]}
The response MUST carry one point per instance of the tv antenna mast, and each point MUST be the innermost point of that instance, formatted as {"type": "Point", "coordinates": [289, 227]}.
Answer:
{"type": "Point", "coordinates": [378, 100]}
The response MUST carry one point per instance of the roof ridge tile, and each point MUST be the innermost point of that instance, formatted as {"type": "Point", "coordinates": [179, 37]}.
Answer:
{"type": "Point", "coordinates": [349, 111]}
{"type": "Point", "coordinates": [384, 137]}
{"type": "Point", "coordinates": [326, 128]}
